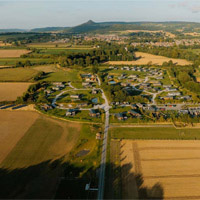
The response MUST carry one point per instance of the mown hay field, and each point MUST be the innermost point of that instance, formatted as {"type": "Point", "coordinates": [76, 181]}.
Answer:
{"type": "Point", "coordinates": [145, 58]}
{"type": "Point", "coordinates": [14, 53]}
{"type": "Point", "coordinates": [155, 133]}
{"type": "Point", "coordinates": [33, 148]}
{"type": "Point", "coordinates": [10, 91]}
{"type": "Point", "coordinates": [17, 74]}
{"type": "Point", "coordinates": [160, 169]}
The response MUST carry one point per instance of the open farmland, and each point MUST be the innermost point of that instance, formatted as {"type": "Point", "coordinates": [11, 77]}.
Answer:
{"type": "Point", "coordinates": [35, 151]}
{"type": "Point", "coordinates": [34, 61]}
{"type": "Point", "coordinates": [160, 169]}
{"type": "Point", "coordinates": [145, 58]}
{"type": "Point", "coordinates": [3, 44]}
{"type": "Point", "coordinates": [13, 128]}
{"type": "Point", "coordinates": [10, 91]}
{"type": "Point", "coordinates": [14, 53]}
{"type": "Point", "coordinates": [30, 148]}
{"type": "Point", "coordinates": [17, 74]}
{"type": "Point", "coordinates": [57, 46]}
{"type": "Point", "coordinates": [47, 68]}
{"type": "Point", "coordinates": [155, 133]}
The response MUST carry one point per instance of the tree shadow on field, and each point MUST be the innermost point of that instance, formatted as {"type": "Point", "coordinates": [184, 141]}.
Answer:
{"type": "Point", "coordinates": [47, 180]}
{"type": "Point", "coordinates": [128, 185]}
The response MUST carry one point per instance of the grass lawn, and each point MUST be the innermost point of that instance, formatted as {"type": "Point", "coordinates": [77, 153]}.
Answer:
{"type": "Point", "coordinates": [17, 74]}
{"type": "Point", "coordinates": [64, 76]}
{"type": "Point", "coordinates": [155, 133]}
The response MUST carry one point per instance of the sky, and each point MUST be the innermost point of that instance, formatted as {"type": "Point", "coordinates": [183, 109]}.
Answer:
{"type": "Point", "coordinates": [47, 13]}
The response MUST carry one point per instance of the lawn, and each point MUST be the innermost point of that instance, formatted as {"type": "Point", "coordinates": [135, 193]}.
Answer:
{"type": "Point", "coordinates": [17, 74]}
{"type": "Point", "coordinates": [155, 133]}
{"type": "Point", "coordinates": [63, 76]}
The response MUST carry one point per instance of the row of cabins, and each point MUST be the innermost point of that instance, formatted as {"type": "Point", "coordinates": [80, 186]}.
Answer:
{"type": "Point", "coordinates": [92, 112]}
{"type": "Point", "coordinates": [57, 86]}
{"type": "Point", "coordinates": [88, 80]}
{"type": "Point", "coordinates": [123, 115]}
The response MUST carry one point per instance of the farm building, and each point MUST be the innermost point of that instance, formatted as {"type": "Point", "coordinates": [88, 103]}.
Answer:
{"type": "Point", "coordinates": [94, 113]}
{"type": "Point", "coordinates": [71, 112]}
{"type": "Point", "coordinates": [133, 113]}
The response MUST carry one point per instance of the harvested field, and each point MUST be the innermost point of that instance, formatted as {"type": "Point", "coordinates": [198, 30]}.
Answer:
{"type": "Point", "coordinates": [2, 44]}
{"type": "Point", "coordinates": [33, 151]}
{"type": "Point", "coordinates": [10, 91]}
{"type": "Point", "coordinates": [145, 58]}
{"type": "Point", "coordinates": [17, 74]}
{"type": "Point", "coordinates": [13, 53]}
{"type": "Point", "coordinates": [13, 128]}
{"type": "Point", "coordinates": [165, 169]}
{"type": "Point", "coordinates": [2, 67]}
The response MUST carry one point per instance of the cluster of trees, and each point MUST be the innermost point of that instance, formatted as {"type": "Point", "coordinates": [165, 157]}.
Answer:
{"type": "Point", "coordinates": [185, 78]}
{"type": "Point", "coordinates": [30, 95]}
{"type": "Point", "coordinates": [104, 53]}
{"type": "Point", "coordinates": [33, 94]}
{"type": "Point", "coordinates": [26, 63]}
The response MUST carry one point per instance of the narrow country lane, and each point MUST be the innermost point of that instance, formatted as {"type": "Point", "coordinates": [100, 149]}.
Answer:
{"type": "Point", "coordinates": [104, 147]}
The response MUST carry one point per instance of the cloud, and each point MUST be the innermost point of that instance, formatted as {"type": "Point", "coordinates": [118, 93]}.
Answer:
{"type": "Point", "coordinates": [191, 5]}
{"type": "Point", "coordinates": [195, 9]}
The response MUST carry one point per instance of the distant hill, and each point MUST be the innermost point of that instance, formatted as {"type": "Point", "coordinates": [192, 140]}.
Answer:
{"type": "Point", "coordinates": [49, 29]}
{"type": "Point", "coordinates": [106, 27]}
{"type": "Point", "coordinates": [89, 26]}
{"type": "Point", "coordinates": [12, 30]}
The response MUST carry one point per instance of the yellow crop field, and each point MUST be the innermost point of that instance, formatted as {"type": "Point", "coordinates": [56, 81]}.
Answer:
{"type": "Point", "coordinates": [161, 169]}
{"type": "Point", "coordinates": [145, 58]}
{"type": "Point", "coordinates": [4, 53]}
{"type": "Point", "coordinates": [10, 91]}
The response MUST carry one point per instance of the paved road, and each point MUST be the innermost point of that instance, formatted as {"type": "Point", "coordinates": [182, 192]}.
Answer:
{"type": "Point", "coordinates": [104, 148]}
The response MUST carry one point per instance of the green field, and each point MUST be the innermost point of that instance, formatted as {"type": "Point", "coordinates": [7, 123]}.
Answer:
{"type": "Point", "coordinates": [46, 152]}
{"type": "Point", "coordinates": [59, 51]}
{"type": "Point", "coordinates": [155, 133]}
{"type": "Point", "coordinates": [34, 61]}
{"type": "Point", "coordinates": [64, 76]}
{"type": "Point", "coordinates": [17, 74]}
{"type": "Point", "coordinates": [58, 46]}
